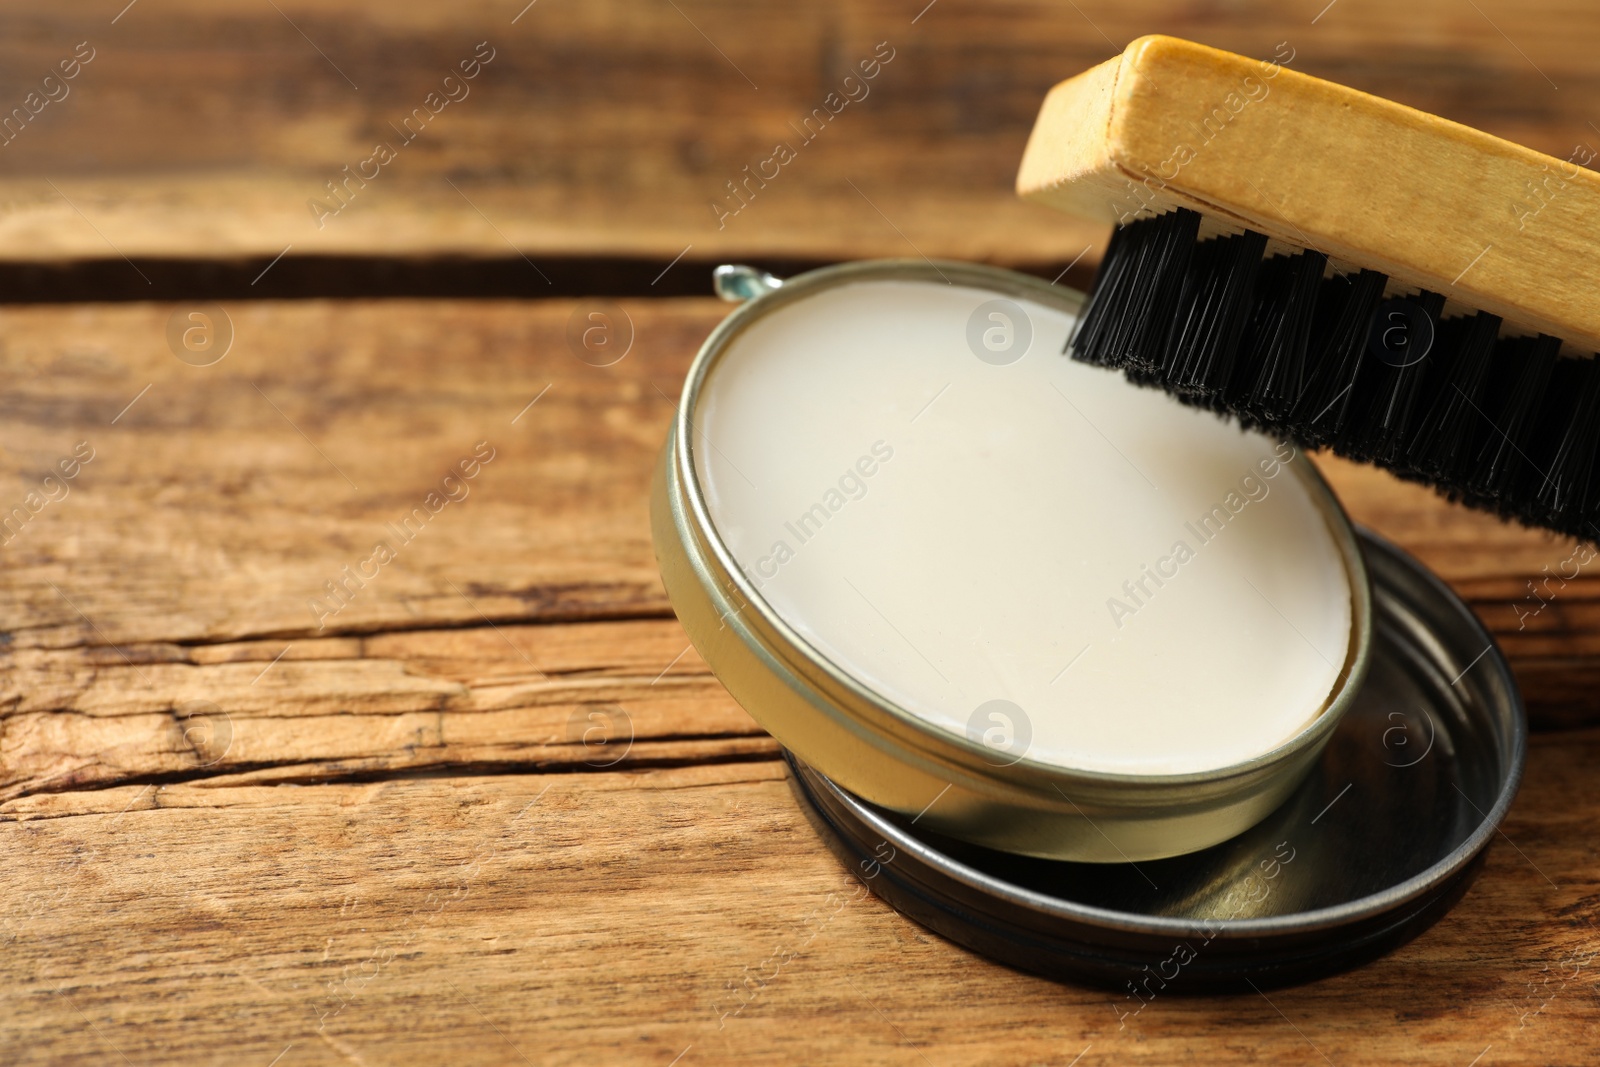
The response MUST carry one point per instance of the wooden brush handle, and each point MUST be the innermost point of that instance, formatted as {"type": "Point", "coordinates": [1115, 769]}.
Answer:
{"type": "Point", "coordinates": [1250, 143]}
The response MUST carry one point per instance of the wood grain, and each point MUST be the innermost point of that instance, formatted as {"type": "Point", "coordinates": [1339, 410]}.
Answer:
{"type": "Point", "coordinates": [217, 506]}
{"type": "Point", "coordinates": [610, 127]}
{"type": "Point", "coordinates": [226, 497]}
{"type": "Point", "coordinates": [494, 810]}
{"type": "Point", "coordinates": [570, 697]}
{"type": "Point", "coordinates": [635, 917]}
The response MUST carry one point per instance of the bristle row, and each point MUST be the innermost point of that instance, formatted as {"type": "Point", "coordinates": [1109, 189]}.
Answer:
{"type": "Point", "coordinates": [1501, 423]}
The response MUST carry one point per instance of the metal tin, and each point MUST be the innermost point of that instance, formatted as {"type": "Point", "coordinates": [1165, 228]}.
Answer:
{"type": "Point", "coordinates": [1383, 837]}
{"type": "Point", "coordinates": [892, 758]}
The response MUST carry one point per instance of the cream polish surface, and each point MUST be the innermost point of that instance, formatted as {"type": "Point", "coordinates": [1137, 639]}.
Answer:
{"type": "Point", "coordinates": [1004, 543]}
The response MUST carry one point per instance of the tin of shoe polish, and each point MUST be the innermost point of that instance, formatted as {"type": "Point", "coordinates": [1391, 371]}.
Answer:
{"type": "Point", "coordinates": [1381, 839]}
{"type": "Point", "coordinates": [838, 719]}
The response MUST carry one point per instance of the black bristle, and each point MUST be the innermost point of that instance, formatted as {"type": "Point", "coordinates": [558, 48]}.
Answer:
{"type": "Point", "coordinates": [1212, 313]}
{"type": "Point", "coordinates": [1266, 307]}
{"type": "Point", "coordinates": [1542, 441]}
{"type": "Point", "coordinates": [1503, 424]}
{"type": "Point", "coordinates": [1350, 300]}
{"type": "Point", "coordinates": [1519, 374]}
{"type": "Point", "coordinates": [1111, 288]}
{"type": "Point", "coordinates": [1454, 401]}
{"type": "Point", "coordinates": [1272, 365]}
{"type": "Point", "coordinates": [1568, 490]}
{"type": "Point", "coordinates": [1170, 257]}
{"type": "Point", "coordinates": [1127, 319]}
{"type": "Point", "coordinates": [1384, 394]}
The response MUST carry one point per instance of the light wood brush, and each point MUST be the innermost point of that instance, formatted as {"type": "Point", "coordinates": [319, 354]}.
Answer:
{"type": "Point", "coordinates": [1339, 269]}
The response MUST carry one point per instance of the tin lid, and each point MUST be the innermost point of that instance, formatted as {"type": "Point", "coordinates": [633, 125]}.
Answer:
{"type": "Point", "coordinates": [1382, 838]}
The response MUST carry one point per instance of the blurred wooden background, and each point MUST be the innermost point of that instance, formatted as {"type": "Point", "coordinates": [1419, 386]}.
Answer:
{"type": "Point", "coordinates": [608, 128]}
{"type": "Point", "coordinates": [497, 811]}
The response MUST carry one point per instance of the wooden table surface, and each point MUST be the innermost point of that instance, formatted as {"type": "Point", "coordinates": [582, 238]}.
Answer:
{"type": "Point", "coordinates": [495, 809]}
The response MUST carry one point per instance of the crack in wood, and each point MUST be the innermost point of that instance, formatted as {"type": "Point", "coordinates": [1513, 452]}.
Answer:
{"type": "Point", "coordinates": [322, 775]}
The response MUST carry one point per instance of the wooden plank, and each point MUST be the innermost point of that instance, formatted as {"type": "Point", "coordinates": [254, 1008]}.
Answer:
{"type": "Point", "coordinates": [221, 500]}
{"type": "Point", "coordinates": [218, 504]}
{"type": "Point", "coordinates": [337, 864]}
{"type": "Point", "coordinates": [690, 913]}
{"type": "Point", "coordinates": [509, 697]}
{"type": "Point", "coordinates": [611, 128]}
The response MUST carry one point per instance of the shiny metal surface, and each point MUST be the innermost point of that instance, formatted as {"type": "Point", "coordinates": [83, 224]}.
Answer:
{"type": "Point", "coordinates": [1378, 842]}
{"type": "Point", "coordinates": [736, 283]}
{"type": "Point", "coordinates": [888, 756]}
